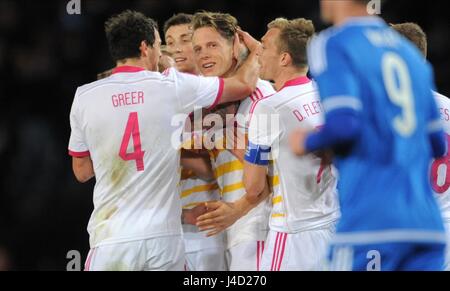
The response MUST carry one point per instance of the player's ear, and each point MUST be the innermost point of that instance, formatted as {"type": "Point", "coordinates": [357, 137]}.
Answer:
{"type": "Point", "coordinates": [285, 59]}
{"type": "Point", "coordinates": [143, 48]}
{"type": "Point", "coordinates": [236, 46]}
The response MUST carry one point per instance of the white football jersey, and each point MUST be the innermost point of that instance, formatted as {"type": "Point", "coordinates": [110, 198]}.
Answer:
{"type": "Point", "coordinates": [125, 124]}
{"type": "Point", "coordinates": [304, 189]}
{"type": "Point", "coordinates": [229, 174]}
{"type": "Point", "coordinates": [440, 169]}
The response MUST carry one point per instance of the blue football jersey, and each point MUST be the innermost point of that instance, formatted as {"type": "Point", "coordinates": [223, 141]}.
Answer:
{"type": "Point", "coordinates": [367, 67]}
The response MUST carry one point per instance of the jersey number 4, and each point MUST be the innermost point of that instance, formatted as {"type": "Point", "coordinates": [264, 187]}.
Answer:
{"type": "Point", "coordinates": [400, 93]}
{"type": "Point", "coordinates": [132, 130]}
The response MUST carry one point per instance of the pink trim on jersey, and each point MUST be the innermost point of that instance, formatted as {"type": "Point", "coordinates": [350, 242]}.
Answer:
{"type": "Point", "coordinates": [259, 253]}
{"type": "Point", "coordinates": [166, 72]}
{"type": "Point", "coordinates": [87, 266]}
{"type": "Point", "coordinates": [259, 93]}
{"type": "Point", "coordinates": [283, 245]}
{"type": "Point", "coordinates": [295, 82]}
{"type": "Point", "coordinates": [275, 251]}
{"type": "Point", "coordinates": [256, 102]}
{"type": "Point", "coordinates": [219, 94]}
{"type": "Point", "coordinates": [252, 108]}
{"type": "Point", "coordinates": [257, 256]}
{"type": "Point", "coordinates": [278, 251]}
{"type": "Point", "coordinates": [79, 154]}
{"type": "Point", "coordinates": [127, 69]}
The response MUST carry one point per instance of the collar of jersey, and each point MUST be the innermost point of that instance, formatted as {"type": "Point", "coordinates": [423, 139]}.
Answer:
{"type": "Point", "coordinates": [296, 82]}
{"type": "Point", "coordinates": [127, 69]}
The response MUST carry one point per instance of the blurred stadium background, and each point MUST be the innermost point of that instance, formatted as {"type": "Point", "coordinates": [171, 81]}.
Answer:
{"type": "Point", "coordinates": [45, 53]}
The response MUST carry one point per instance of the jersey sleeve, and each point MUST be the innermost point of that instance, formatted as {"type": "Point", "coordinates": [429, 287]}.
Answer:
{"type": "Point", "coordinates": [263, 89]}
{"type": "Point", "coordinates": [197, 91]}
{"type": "Point", "coordinates": [434, 123]}
{"type": "Point", "coordinates": [331, 69]}
{"type": "Point", "coordinates": [338, 87]}
{"type": "Point", "coordinates": [77, 143]}
{"type": "Point", "coordinates": [263, 133]}
{"type": "Point", "coordinates": [264, 126]}
{"type": "Point", "coordinates": [436, 133]}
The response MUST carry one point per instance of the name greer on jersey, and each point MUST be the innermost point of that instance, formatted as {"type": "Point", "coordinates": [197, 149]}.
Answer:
{"type": "Point", "coordinates": [128, 98]}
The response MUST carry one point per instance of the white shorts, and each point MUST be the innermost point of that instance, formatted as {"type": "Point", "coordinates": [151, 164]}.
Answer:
{"type": "Point", "coordinates": [209, 259]}
{"type": "Point", "coordinates": [154, 254]}
{"type": "Point", "coordinates": [245, 256]}
{"type": "Point", "coordinates": [302, 251]}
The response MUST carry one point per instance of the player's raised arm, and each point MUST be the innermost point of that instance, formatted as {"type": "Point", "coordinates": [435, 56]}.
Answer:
{"type": "Point", "coordinates": [243, 83]}
{"type": "Point", "coordinates": [342, 104]}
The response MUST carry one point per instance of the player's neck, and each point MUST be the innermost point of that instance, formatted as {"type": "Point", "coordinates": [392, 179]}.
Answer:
{"type": "Point", "coordinates": [287, 75]}
{"type": "Point", "coordinates": [190, 72]}
{"type": "Point", "coordinates": [343, 16]}
{"type": "Point", "coordinates": [132, 63]}
{"type": "Point", "coordinates": [194, 72]}
{"type": "Point", "coordinates": [230, 71]}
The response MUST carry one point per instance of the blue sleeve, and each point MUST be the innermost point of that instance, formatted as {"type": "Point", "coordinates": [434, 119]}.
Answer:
{"type": "Point", "coordinates": [341, 130]}
{"type": "Point", "coordinates": [339, 91]}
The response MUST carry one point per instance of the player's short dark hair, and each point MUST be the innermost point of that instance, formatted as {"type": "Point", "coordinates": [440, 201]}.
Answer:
{"type": "Point", "coordinates": [414, 33]}
{"type": "Point", "coordinates": [225, 24]}
{"type": "Point", "coordinates": [177, 19]}
{"type": "Point", "coordinates": [126, 31]}
{"type": "Point", "coordinates": [104, 74]}
{"type": "Point", "coordinates": [294, 37]}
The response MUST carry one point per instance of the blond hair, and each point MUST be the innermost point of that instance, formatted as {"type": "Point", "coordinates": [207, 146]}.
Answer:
{"type": "Point", "coordinates": [294, 37]}
{"type": "Point", "coordinates": [414, 33]}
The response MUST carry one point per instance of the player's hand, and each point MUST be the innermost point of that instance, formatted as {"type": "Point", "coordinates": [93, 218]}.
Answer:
{"type": "Point", "coordinates": [220, 216]}
{"type": "Point", "coordinates": [297, 141]}
{"type": "Point", "coordinates": [252, 44]}
{"type": "Point", "coordinates": [165, 62]}
{"type": "Point", "coordinates": [190, 216]}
